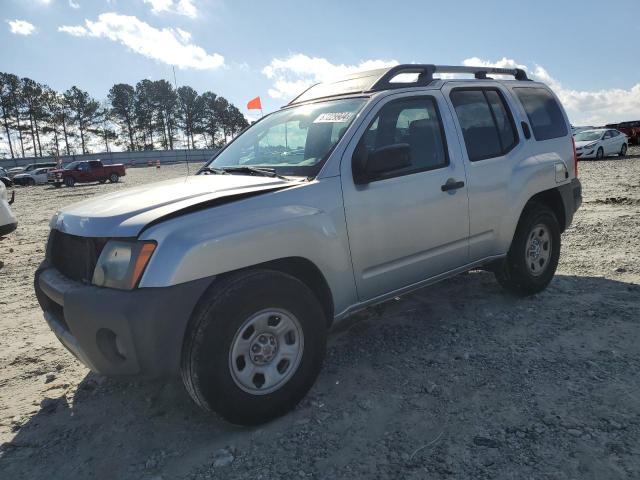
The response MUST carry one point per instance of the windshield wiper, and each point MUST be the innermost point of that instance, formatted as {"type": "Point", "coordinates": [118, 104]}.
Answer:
{"type": "Point", "coordinates": [261, 171]}
{"type": "Point", "coordinates": [216, 171]}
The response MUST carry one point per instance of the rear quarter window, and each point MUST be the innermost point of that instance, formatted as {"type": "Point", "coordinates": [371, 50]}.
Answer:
{"type": "Point", "coordinates": [543, 111]}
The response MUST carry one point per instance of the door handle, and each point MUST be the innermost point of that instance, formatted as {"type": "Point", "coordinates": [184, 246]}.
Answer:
{"type": "Point", "coordinates": [452, 185]}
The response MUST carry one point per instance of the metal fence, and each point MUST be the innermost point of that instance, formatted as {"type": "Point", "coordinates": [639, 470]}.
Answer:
{"type": "Point", "coordinates": [128, 158]}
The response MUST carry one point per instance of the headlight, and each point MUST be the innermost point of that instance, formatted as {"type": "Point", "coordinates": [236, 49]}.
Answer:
{"type": "Point", "coordinates": [122, 263]}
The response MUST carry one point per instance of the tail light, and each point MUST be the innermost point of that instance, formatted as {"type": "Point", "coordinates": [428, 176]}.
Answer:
{"type": "Point", "coordinates": [575, 156]}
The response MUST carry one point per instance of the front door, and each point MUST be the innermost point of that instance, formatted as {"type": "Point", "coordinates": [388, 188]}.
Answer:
{"type": "Point", "coordinates": [410, 224]}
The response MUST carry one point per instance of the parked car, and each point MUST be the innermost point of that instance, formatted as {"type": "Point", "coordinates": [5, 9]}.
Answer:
{"type": "Point", "coordinates": [29, 168]}
{"type": "Point", "coordinates": [4, 178]}
{"type": "Point", "coordinates": [39, 176]}
{"type": "Point", "coordinates": [8, 222]}
{"type": "Point", "coordinates": [630, 129]}
{"type": "Point", "coordinates": [86, 171]}
{"type": "Point", "coordinates": [356, 192]}
{"type": "Point", "coordinates": [600, 143]}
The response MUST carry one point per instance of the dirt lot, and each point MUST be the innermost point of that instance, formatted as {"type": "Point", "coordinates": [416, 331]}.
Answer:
{"type": "Point", "coordinates": [458, 380]}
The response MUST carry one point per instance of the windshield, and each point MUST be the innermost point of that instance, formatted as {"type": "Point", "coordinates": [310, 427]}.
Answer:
{"type": "Point", "coordinates": [295, 141]}
{"type": "Point", "coordinates": [71, 166]}
{"type": "Point", "coordinates": [588, 136]}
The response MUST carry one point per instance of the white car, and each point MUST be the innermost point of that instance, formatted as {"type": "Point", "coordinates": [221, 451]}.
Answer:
{"type": "Point", "coordinates": [29, 168]}
{"type": "Point", "coordinates": [600, 143]}
{"type": "Point", "coordinates": [8, 222]}
{"type": "Point", "coordinates": [34, 177]}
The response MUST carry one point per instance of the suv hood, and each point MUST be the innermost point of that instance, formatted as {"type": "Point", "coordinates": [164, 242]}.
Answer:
{"type": "Point", "coordinates": [126, 213]}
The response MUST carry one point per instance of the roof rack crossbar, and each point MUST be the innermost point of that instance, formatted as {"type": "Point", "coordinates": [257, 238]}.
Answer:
{"type": "Point", "coordinates": [426, 71]}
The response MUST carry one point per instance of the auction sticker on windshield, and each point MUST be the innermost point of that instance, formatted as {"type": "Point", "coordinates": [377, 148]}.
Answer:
{"type": "Point", "coordinates": [333, 117]}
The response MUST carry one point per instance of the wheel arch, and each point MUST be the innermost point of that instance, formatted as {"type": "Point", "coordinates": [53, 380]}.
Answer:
{"type": "Point", "coordinates": [299, 267]}
{"type": "Point", "coordinates": [553, 200]}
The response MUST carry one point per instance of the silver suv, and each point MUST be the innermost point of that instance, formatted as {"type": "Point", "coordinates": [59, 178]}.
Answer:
{"type": "Point", "coordinates": [355, 192]}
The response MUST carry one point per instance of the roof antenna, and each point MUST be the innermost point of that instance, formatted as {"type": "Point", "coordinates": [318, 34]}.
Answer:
{"type": "Point", "coordinates": [186, 152]}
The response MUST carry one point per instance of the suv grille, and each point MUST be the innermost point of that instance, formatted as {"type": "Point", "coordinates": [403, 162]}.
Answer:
{"type": "Point", "coordinates": [74, 257]}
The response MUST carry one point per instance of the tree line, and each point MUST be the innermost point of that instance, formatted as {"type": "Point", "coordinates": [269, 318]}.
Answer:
{"type": "Point", "coordinates": [39, 121]}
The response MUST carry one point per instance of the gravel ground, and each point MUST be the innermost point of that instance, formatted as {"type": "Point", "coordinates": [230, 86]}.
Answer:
{"type": "Point", "coordinates": [458, 380]}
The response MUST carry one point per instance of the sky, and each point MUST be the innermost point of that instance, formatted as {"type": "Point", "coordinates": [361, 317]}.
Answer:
{"type": "Point", "coordinates": [587, 51]}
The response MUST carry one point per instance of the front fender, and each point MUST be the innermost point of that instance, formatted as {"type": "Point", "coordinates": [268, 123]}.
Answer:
{"type": "Point", "coordinates": [304, 221]}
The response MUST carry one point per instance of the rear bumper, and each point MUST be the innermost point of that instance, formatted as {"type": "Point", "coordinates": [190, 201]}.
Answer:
{"type": "Point", "coordinates": [571, 194]}
{"type": "Point", "coordinates": [117, 332]}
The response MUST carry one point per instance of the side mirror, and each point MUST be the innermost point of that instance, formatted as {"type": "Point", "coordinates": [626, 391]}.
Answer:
{"type": "Point", "coordinates": [382, 160]}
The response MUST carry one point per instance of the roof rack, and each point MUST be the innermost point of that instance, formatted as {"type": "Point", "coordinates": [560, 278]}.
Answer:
{"type": "Point", "coordinates": [382, 79]}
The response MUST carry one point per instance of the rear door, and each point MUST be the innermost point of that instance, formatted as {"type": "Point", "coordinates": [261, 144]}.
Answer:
{"type": "Point", "coordinates": [617, 140]}
{"type": "Point", "coordinates": [492, 149]}
{"type": "Point", "coordinates": [404, 227]}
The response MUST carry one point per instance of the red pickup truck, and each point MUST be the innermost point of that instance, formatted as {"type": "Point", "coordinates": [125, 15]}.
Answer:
{"type": "Point", "coordinates": [84, 172]}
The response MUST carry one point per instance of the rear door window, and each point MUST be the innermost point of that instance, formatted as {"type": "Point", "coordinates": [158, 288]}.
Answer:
{"type": "Point", "coordinates": [487, 125]}
{"type": "Point", "coordinates": [543, 111]}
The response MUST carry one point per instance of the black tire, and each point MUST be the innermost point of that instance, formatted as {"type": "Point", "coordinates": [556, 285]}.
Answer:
{"type": "Point", "coordinates": [515, 272]}
{"type": "Point", "coordinates": [57, 185]}
{"type": "Point", "coordinates": [600, 153]}
{"type": "Point", "coordinates": [102, 180]}
{"type": "Point", "coordinates": [114, 177]}
{"type": "Point", "coordinates": [623, 150]}
{"type": "Point", "coordinates": [69, 181]}
{"type": "Point", "coordinates": [216, 323]}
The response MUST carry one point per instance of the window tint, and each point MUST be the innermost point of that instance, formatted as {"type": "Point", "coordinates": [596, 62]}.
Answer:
{"type": "Point", "coordinates": [414, 121]}
{"type": "Point", "coordinates": [486, 124]}
{"type": "Point", "coordinates": [544, 113]}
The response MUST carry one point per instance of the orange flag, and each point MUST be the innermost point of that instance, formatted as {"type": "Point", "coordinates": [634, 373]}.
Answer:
{"type": "Point", "coordinates": [254, 104]}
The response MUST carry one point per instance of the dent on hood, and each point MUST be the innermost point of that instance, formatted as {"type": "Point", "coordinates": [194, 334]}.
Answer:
{"type": "Point", "coordinates": [127, 213]}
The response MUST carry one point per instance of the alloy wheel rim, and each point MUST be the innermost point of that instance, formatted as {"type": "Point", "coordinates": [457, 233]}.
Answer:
{"type": "Point", "coordinates": [266, 351]}
{"type": "Point", "coordinates": [538, 250]}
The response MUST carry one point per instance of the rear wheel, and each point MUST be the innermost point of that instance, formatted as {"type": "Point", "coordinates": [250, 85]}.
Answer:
{"type": "Point", "coordinates": [600, 154]}
{"type": "Point", "coordinates": [255, 346]}
{"type": "Point", "coordinates": [623, 150]}
{"type": "Point", "coordinates": [69, 181]}
{"type": "Point", "coordinates": [535, 250]}
{"type": "Point", "coordinates": [114, 177]}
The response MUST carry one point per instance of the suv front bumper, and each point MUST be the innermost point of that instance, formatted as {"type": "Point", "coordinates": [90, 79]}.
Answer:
{"type": "Point", "coordinates": [119, 332]}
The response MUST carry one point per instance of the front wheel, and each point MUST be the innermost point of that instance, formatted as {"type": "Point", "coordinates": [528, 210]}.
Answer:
{"type": "Point", "coordinates": [535, 250]}
{"type": "Point", "coordinates": [114, 177]}
{"type": "Point", "coordinates": [254, 347]}
{"type": "Point", "coordinates": [623, 150]}
{"type": "Point", "coordinates": [600, 154]}
{"type": "Point", "coordinates": [69, 181]}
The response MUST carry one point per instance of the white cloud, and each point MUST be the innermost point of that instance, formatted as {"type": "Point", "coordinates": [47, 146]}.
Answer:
{"type": "Point", "coordinates": [75, 30]}
{"type": "Point", "coordinates": [180, 7]}
{"type": "Point", "coordinates": [21, 27]}
{"type": "Point", "coordinates": [74, 4]}
{"type": "Point", "coordinates": [584, 107]}
{"type": "Point", "coordinates": [292, 75]}
{"type": "Point", "coordinates": [167, 45]}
